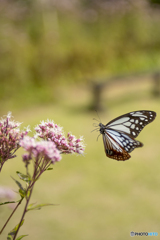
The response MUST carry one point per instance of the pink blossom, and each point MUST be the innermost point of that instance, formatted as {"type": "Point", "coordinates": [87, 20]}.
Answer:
{"type": "Point", "coordinates": [52, 132]}
{"type": "Point", "coordinates": [39, 149]}
{"type": "Point", "coordinates": [10, 135]}
{"type": "Point", "coordinates": [6, 193]}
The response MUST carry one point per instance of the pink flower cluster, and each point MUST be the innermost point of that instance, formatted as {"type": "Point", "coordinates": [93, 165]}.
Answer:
{"type": "Point", "coordinates": [40, 150]}
{"type": "Point", "coordinates": [52, 132]}
{"type": "Point", "coordinates": [6, 193]}
{"type": "Point", "coordinates": [10, 135]}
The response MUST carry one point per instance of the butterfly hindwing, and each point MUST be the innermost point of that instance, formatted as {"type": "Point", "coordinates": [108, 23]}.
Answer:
{"type": "Point", "coordinates": [125, 141]}
{"type": "Point", "coordinates": [113, 149]}
{"type": "Point", "coordinates": [117, 145]}
{"type": "Point", "coordinates": [132, 123]}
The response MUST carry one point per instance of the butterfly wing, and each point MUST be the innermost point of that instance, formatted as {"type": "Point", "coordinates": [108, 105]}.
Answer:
{"type": "Point", "coordinates": [132, 123]}
{"type": "Point", "coordinates": [114, 150]}
{"type": "Point", "coordinates": [118, 145]}
{"type": "Point", "coordinates": [118, 134]}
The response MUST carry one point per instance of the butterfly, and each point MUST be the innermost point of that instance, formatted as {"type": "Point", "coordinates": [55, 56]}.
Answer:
{"type": "Point", "coordinates": [120, 133]}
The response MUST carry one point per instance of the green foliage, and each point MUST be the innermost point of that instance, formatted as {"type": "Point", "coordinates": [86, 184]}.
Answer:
{"type": "Point", "coordinates": [20, 237]}
{"type": "Point", "coordinates": [7, 202]}
{"type": "Point", "coordinates": [12, 233]}
{"type": "Point", "coordinates": [19, 184]}
{"type": "Point", "coordinates": [154, 1]}
{"type": "Point", "coordinates": [49, 169]}
{"type": "Point", "coordinates": [22, 190]}
{"type": "Point", "coordinates": [24, 177]}
{"type": "Point", "coordinates": [43, 46]}
{"type": "Point", "coordinates": [38, 206]}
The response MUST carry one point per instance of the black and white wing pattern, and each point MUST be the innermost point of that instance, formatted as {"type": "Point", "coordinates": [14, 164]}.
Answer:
{"type": "Point", "coordinates": [118, 134]}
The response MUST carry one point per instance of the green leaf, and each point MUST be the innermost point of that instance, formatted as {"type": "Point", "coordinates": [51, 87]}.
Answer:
{"type": "Point", "coordinates": [9, 237]}
{"type": "Point", "coordinates": [7, 202]}
{"type": "Point", "coordinates": [49, 168]}
{"type": "Point", "coordinates": [22, 193]}
{"type": "Point", "coordinates": [24, 177]}
{"type": "Point", "coordinates": [20, 237]}
{"type": "Point", "coordinates": [10, 202]}
{"type": "Point", "coordinates": [18, 183]}
{"type": "Point", "coordinates": [12, 233]}
{"type": "Point", "coordinates": [39, 206]}
{"type": "Point", "coordinates": [28, 193]}
{"type": "Point", "coordinates": [30, 205]}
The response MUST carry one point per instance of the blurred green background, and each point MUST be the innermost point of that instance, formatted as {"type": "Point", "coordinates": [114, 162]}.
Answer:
{"type": "Point", "coordinates": [49, 53]}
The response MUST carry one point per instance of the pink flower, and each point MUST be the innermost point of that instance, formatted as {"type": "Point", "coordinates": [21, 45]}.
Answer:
{"type": "Point", "coordinates": [52, 132]}
{"type": "Point", "coordinates": [6, 193]}
{"type": "Point", "coordinates": [39, 150]}
{"type": "Point", "coordinates": [10, 136]}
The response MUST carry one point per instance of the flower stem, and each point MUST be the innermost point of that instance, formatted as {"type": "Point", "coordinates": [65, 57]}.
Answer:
{"type": "Point", "coordinates": [24, 212]}
{"type": "Point", "coordinates": [11, 216]}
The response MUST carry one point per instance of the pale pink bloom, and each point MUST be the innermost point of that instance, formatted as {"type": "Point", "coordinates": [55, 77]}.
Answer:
{"type": "Point", "coordinates": [10, 136]}
{"type": "Point", "coordinates": [6, 194]}
{"type": "Point", "coordinates": [52, 132]}
{"type": "Point", "coordinates": [39, 149]}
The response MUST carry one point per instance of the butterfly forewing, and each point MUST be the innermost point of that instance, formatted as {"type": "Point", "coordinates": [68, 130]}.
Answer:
{"type": "Point", "coordinates": [118, 134]}
{"type": "Point", "coordinates": [132, 123]}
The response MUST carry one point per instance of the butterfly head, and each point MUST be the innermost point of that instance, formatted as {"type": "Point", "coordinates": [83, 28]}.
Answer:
{"type": "Point", "coordinates": [102, 128]}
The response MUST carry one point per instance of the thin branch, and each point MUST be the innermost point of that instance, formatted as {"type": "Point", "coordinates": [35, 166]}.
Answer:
{"type": "Point", "coordinates": [24, 212]}
{"type": "Point", "coordinates": [11, 216]}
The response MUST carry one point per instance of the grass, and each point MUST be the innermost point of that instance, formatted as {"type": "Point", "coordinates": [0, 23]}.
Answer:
{"type": "Point", "coordinates": [97, 197]}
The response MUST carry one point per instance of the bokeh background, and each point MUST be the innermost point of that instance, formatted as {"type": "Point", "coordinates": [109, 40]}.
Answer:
{"type": "Point", "coordinates": [57, 60]}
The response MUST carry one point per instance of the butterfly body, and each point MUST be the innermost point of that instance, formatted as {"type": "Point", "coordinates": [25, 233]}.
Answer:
{"type": "Point", "coordinates": [119, 134]}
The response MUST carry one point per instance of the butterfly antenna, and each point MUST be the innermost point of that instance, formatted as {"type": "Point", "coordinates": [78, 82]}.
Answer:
{"type": "Point", "coordinates": [95, 119]}
{"type": "Point", "coordinates": [98, 115]}
{"type": "Point", "coordinates": [95, 125]}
